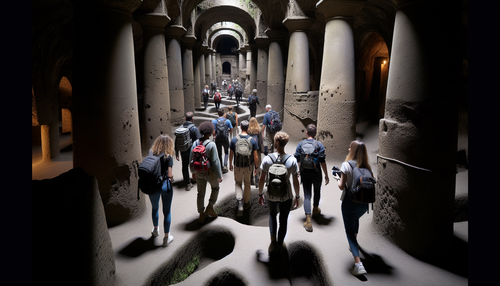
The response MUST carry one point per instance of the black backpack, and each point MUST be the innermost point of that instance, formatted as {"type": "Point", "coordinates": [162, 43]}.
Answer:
{"type": "Point", "coordinates": [278, 176]}
{"type": "Point", "coordinates": [275, 124]}
{"type": "Point", "coordinates": [362, 189]}
{"type": "Point", "coordinates": [252, 100]}
{"type": "Point", "coordinates": [232, 118]}
{"type": "Point", "coordinates": [150, 173]}
{"type": "Point", "coordinates": [222, 132]}
{"type": "Point", "coordinates": [309, 155]}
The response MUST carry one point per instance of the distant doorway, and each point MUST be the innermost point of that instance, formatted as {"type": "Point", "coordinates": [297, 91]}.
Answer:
{"type": "Point", "coordinates": [226, 68]}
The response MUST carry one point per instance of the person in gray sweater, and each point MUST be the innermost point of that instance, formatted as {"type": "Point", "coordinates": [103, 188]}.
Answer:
{"type": "Point", "coordinates": [213, 176]}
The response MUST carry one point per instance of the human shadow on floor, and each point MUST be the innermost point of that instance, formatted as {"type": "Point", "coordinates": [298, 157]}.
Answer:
{"type": "Point", "coordinates": [139, 246]}
{"type": "Point", "coordinates": [278, 266]}
{"type": "Point", "coordinates": [194, 225]}
{"type": "Point", "coordinates": [323, 220]}
{"type": "Point", "coordinates": [374, 263]}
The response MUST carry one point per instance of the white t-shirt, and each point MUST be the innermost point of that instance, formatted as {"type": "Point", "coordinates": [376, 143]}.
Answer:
{"type": "Point", "coordinates": [292, 167]}
{"type": "Point", "coordinates": [346, 169]}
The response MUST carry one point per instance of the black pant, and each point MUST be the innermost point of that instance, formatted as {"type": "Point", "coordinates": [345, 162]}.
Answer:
{"type": "Point", "coordinates": [220, 144]}
{"type": "Point", "coordinates": [253, 110]}
{"type": "Point", "coordinates": [217, 104]}
{"type": "Point", "coordinates": [185, 166]}
{"type": "Point", "coordinates": [205, 101]}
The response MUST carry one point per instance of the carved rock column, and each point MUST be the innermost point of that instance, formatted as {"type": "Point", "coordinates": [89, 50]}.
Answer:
{"type": "Point", "coordinates": [156, 106]}
{"type": "Point", "coordinates": [188, 73]}
{"type": "Point", "coordinates": [262, 70]}
{"type": "Point", "coordinates": [106, 123]}
{"type": "Point", "coordinates": [297, 100]}
{"type": "Point", "coordinates": [418, 136]}
{"type": "Point", "coordinates": [175, 82]}
{"type": "Point", "coordinates": [336, 104]}
{"type": "Point", "coordinates": [275, 71]}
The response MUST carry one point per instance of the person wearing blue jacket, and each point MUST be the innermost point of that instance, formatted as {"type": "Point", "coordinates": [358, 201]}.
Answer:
{"type": "Point", "coordinates": [312, 177]}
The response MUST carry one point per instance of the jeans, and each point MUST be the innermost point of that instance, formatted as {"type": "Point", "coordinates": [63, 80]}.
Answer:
{"type": "Point", "coordinates": [309, 179]}
{"type": "Point", "coordinates": [243, 175]}
{"type": "Point", "coordinates": [166, 199]}
{"type": "Point", "coordinates": [284, 210]}
{"type": "Point", "coordinates": [351, 212]}
{"type": "Point", "coordinates": [202, 178]}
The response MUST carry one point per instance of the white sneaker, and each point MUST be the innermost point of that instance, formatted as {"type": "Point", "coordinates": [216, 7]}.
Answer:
{"type": "Point", "coordinates": [240, 208]}
{"type": "Point", "coordinates": [167, 240]}
{"type": "Point", "coordinates": [358, 270]}
{"type": "Point", "coordinates": [154, 232]}
{"type": "Point", "coordinates": [189, 186]}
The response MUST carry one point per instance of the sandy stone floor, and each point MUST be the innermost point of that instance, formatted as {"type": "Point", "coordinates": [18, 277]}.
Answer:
{"type": "Point", "coordinates": [138, 255]}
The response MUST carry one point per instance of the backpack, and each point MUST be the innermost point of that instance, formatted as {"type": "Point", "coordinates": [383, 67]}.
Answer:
{"type": "Point", "coordinates": [239, 90]}
{"type": "Point", "coordinates": [221, 133]}
{"type": "Point", "coordinates": [278, 176]}
{"type": "Point", "coordinates": [217, 97]}
{"type": "Point", "coordinates": [362, 189]}
{"type": "Point", "coordinates": [252, 99]}
{"type": "Point", "coordinates": [232, 118]}
{"type": "Point", "coordinates": [275, 124]}
{"type": "Point", "coordinates": [150, 174]}
{"type": "Point", "coordinates": [309, 155]}
{"type": "Point", "coordinates": [205, 92]}
{"type": "Point", "coordinates": [243, 149]}
{"type": "Point", "coordinates": [200, 161]}
{"type": "Point", "coordinates": [183, 139]}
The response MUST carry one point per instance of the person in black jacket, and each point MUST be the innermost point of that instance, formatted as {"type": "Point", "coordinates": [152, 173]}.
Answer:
{"type": "Point", "coordinates": [194, 133]}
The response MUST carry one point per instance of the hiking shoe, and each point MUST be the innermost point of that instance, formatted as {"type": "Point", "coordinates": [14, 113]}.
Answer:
{"type": "Point", "coordinates": [358, 270]}
{"type": "Point", "coordinates": [189, 186]}
{"type": "Point", "coordinates": [224, 169]}
{"type": "Point", "coordinates": [246, 205]}
{"type": "Point", "coordinates": [154, 232]}
{"type": "Point", "coordinates": [316, 211]}
{"type": "Point", "coordinates": [167, 240]}
{"type": "Point", "coordinates": [202, 218]}
{"type": "Point", "coordinates": [209, 211]}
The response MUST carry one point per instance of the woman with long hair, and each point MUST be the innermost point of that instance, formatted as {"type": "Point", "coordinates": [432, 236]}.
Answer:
{"type": "Point", "coordinates": [351, 211]}
{"type": "Point", "coordinates": [255, 132]}
{"type": "Point", "coordinates": [163, 144]}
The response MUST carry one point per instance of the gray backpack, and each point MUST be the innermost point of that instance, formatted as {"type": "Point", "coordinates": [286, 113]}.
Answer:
{"type": "Point", "coordinates": [243, 149]}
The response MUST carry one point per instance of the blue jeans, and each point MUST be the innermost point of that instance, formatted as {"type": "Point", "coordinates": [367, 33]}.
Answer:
{"type": "Point", "coordinates": [310, 179]}
{"type": "Point", "coordinates": [166, 194]}
{"type": "Point", "coordinates": [284, 209]}
{"type": "Point", "coordinates": [351, 212]}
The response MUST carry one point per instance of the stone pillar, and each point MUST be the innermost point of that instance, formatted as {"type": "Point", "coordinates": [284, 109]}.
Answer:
{"type": "Point", "coordinates": [214, 71]}
{"type": "Point", "coordinates": [156, 104]}
{"type": "Point", "coordinates": [295, 113]}
{"type": "Point", "coordinates": [242, 65]}
{"type": "Point", "coordinates": [50, 140]}
{"type": "Point", "coordinates": [175, 82]}
{"type": "Point", "coordinates": [275, 70]}
{"type": "Point", "coordinates": [201, 66]}
{"type": "Point", "coordinates": [105, 115]}
{"type": "Point", "coordinates": [198, 99]}
{"type": "Point", "coordinates": [262, 70]}
{"type": "Point", "coordinates": [188, 73]}
{"type": "Point", "coordinates": [418, 136]}
{"type": "Point", "coordinates": [208, 69]}
{"type": "Point", "coordinates": [337, 98]}
{"type": "Point", "coordinates": [248, 71]}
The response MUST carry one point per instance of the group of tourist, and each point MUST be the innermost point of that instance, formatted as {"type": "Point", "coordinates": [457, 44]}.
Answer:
{"type": "Point", "coordinates": [249, 168]}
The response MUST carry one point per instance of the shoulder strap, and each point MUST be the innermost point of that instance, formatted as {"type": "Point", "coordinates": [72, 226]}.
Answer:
{"type": "Point", "coordinates": [286, 158]}
{"type": "Point", "coordinates": [273, 158]}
